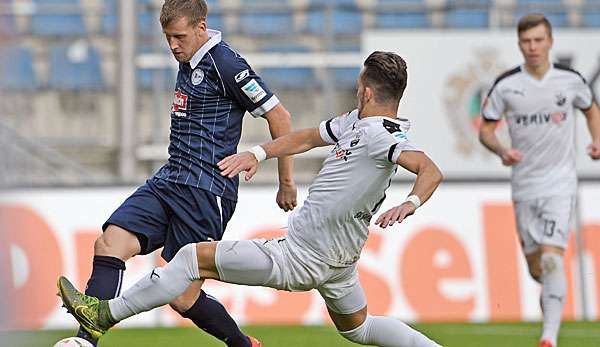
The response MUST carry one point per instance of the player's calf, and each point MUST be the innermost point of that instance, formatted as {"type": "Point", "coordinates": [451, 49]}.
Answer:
{"type": "Point", "coordinates": [533, 265]}
{"type": "Point", "coordinates": [387, 332]}
{"type": "Point", "coordinates": [553, 293]}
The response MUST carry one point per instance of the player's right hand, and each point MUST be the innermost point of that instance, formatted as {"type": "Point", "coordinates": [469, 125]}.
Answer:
{"type": "Point", "coordinates": [396, 214]}
{"type": "Point", "coordinates": [234, 164]}
{"type": "Point", "coordinates": [594, 150]}
{"type": "Point", "coordinates": [511, 156]}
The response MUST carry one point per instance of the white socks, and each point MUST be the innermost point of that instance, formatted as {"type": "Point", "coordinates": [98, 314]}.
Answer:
{"type": "Point", "coordinates": [553, 294]}
{"type": "Point", "coordinates": [387, 332]}
{"type": "Point", "coordinates": [160, 287]}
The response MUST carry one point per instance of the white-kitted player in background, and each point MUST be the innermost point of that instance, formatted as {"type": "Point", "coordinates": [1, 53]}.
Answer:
{"type": "Point", "coordinates": [325, 236]}
{"type": "Point", "coordinates": [537, 99]}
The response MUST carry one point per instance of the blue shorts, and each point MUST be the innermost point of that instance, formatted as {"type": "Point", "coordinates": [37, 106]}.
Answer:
{"type": "Point", "coordinates": [162, 213]}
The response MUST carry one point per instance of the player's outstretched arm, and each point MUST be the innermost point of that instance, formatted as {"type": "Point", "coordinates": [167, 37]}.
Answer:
{"type": "Point", "coordinates": [428, 179]}
{"type": "Point", "coordinates": [593, 122]}
{"type": "Point", "coordinates": [488, 138]}
{"type": "Point", "coordinates": [297, 142]}
{"type": "Point", "coordinates": [280, 124]}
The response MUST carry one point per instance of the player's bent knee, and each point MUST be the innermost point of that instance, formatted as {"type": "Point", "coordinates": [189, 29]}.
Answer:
{"type": "Point", "coordinates": [186, 300]}
{"type": "Point", "coordinates": [360, 334]}
{"type": "Point", "coordinates": [177, 306]}
{"type": "Point", "coordinates": [535, 272]}
{"type": "Point", "coordinates": [103, 246]}
{"type": "Point", "coordinates": [550, 263]}
{"type": "Point", "coordinates": [117, 242]}
{"type": "Point", "coordinates": [533, 265]}
{"type": "Point", "coordinates": [181, 305]}
{"type": "Point", "coordinates": [206, 259]}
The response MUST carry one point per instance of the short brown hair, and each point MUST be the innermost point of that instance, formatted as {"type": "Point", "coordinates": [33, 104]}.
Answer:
{"type": "Point", "coordinates": [386, 73]}
{"type": "Point", "coordinates": [193, 10]}
{"type": "Point", "coordinates": [531, 21]}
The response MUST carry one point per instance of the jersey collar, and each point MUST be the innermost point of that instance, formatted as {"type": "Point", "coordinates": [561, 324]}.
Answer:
{"type": "Point", "coordinates": [402, 122]}
{"type": "Point", "coordinates": [214, 37]}
{"type": "Point", "coordinates": [535, 80]}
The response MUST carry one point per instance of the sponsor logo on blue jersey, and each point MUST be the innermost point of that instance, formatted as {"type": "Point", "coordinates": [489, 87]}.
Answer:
{"type": "Point", "coordinates": [241, 76]}
{"type": "Point", "coordinates": [179, 101]}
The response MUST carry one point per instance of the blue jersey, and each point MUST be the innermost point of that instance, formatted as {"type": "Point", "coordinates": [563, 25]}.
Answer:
{"type": "Point", "coordinates": [213, 92]}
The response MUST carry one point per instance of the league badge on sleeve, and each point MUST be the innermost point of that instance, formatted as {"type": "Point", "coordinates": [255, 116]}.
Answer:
{"type": "Point", "coordinates": [254, 91]}
{"type": "Point", "coordinates": [197, 77]}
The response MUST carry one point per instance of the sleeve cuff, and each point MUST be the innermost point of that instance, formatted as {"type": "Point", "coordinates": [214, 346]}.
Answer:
{"type": "Point", "coordinates": [585, 109]}
{"type": "Point", "coordinates": [325, 132]}
{"type": "Point", "coordinates": [395, 151]}
{"type": "Point", "coordinates": [489, 118]}
{"type": "Point", "coordinates": [265, 107]}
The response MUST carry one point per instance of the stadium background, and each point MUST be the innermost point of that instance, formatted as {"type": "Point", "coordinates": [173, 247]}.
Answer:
{"type": "Point", "coordinates": [85, 92]}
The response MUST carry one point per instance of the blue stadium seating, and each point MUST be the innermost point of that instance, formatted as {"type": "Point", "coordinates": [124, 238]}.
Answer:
{"type": "Point", "coordinates": [109, 19]}
{"type": "Point", "coordinates": [75, 67]}
{"type": "Point", "coordinates": [591, 13]}
{"type": "Point", "coordinates": [467, 18]}
{"type": "Point", "coordinates": [145, 77]}
{"type": "Point", "coordinates": [401, 14]}
{"type": "Point", "coordinates": [468, 13]}
{"type": "Point", "coordinates": [287, 47]}
{"type": "Point", "coordinates": [147, 20]}
{"type": "Point", "coordinates": [8, 25]}
{"type": "Point", "coordinates": [267, 23]}
{"type": "Point", "coordinates": [345, 77]}
{"type": "Point", "coordinates": [402, 19]}
{"type": "Point", "coordinates": [215, 21]}
{"type": "Point", "coordinates": [337, 46]}
{"type": "Point", "coordinates": [345, 21]}
{"type": "Point", "coordinates": [334, 2]}
{"type": "Point", "coordinates": [538, 2]}
{"type": "Point", "coordinates": [16, 69]}
{"type": "Point", "coordinates": [64, 20]}
{"type": "Point", "coordinates": [262, 2]}
{"type": "Point", "coordinates": [404, 2]}
{"type": "Point", "coordinates": [288, 77]}
{"type": "Point", "coordinates": [591, 19]}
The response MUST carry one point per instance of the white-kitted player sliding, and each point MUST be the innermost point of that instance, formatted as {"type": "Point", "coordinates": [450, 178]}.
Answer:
{"type": "Point", "coordinates": [325, 236]}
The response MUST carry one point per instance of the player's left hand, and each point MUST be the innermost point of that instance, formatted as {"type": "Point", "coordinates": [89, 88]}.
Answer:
{"type": "Point", "coordinates": [594, 150]}
{"type": "Point", "coordinates": [234, 164]}
{"type": "Point", "coordinates": [286, 196]}
{"type": "Point", "coordinates": [396, 214]}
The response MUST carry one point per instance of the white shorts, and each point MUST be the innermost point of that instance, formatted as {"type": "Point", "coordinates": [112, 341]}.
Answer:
{"type": "Point", "coordinates": [544, 221]}
{"type": "Point", "coordinates": [278, 264]}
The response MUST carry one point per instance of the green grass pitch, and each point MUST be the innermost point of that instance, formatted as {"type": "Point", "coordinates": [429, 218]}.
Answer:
{"type": "Point", "coordinates": [573, 334]}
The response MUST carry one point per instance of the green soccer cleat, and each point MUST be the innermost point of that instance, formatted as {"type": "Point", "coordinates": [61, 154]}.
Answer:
{"type": "Point", "coordinates": [93, 314]}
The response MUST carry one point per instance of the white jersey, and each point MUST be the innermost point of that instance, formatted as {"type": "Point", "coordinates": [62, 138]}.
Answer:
{"type": "Point", "coordinates": [333, 222]}
{"type": "Point", "coordinates": [540, 117]}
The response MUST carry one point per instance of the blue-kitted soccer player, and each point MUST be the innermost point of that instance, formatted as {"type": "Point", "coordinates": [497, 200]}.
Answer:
{"type": "Point", "coordinates": [187, 200]}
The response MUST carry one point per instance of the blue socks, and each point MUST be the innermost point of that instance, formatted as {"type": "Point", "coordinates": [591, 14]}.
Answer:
{"type": "Point", "coordinates": [210, 315]}
{"type": "Point", "coordinates": [104, 283]}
